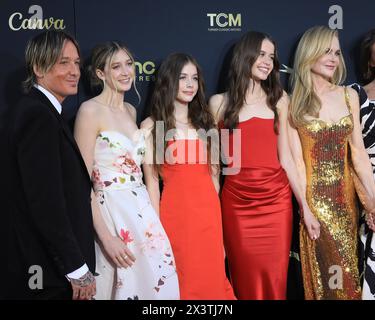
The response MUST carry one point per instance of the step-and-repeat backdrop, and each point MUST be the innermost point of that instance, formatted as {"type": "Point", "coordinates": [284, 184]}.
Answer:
{"type": "Point", "coordinates": [152, 29]}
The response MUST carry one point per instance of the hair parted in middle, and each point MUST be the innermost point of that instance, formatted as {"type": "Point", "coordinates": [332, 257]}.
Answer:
{"type": "Point", "coordinates": [162, 104]}
{"type": "Point", "coordinates": [312, 46]}
{"type": "Point", "coordinates": [245, 53]}
{"type": "Point", "coordinates": [102, 55]}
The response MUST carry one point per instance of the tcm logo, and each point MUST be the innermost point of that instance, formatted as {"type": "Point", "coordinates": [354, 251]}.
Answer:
{"type": "Point", "coordinates": [224, 21]}
{"type": "Point", "coordinates": [35, 21]}
{"type": "Point", "coordinates": [145, 71]}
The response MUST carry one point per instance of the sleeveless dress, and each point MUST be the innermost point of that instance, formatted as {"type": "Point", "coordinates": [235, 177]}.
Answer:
{"type": "Point", "coordinates": [190, 213]}
{"type": "Point", "coordinates": [257, 215]}
{"type": "Point", "coordinates": [126, 209]}
{"type": "Point", "coordinates": [330, 263]}
{"type": "Point", "coordinates": [367, 243]}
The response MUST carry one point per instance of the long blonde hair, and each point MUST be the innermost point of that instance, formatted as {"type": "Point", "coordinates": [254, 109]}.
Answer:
{"type": "Point", "coordinates": [311, 47]}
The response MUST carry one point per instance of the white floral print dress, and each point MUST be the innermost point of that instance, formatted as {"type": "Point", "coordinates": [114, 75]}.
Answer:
{"type": "Point", "coordinates": [126, 209]}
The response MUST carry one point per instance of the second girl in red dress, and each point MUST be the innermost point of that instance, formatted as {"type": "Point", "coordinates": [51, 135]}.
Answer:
{"type": "Point", "coordinates": [256, 202]}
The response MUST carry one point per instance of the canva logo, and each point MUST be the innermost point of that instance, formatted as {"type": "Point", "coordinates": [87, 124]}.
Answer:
{"type": "Point", "coordinates": [35, 21]}
{"type": "Point", "coordinates": [145, 71]}
{"type": "Point", "coordinates": [224, 21]}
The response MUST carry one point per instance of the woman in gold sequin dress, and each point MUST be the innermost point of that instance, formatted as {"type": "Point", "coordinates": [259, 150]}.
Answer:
{"type": "Point", "coordinates": [325, 133]}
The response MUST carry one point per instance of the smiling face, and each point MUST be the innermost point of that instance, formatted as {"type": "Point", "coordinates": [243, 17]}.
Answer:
{"type": "Point", "coordinates": [327, 64]}
{"type": "Point", "coordinates": [263, 65]}
{"type": "Point", "coordinates": [62, 79]}
{"type": "Point", "coordinates": [118, 72]}
{"type": "Point", "coordinates": [188, 83]}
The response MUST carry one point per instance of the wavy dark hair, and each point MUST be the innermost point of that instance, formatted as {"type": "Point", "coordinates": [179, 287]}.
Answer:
{"type": "Point", "coordinates": [245, 53]}
{"type": "Point", "coordinates": [367, 72]}
{"type": "Point", "coordinates": [165, 93]}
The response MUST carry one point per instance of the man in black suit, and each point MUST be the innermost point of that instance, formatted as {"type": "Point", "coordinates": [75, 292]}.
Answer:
{"type": "Point", "coordinates": [47, 223]}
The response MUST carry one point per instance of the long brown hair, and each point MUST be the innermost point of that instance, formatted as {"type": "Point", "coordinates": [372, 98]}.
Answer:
{"type": "Point", "coordinates": [367, 72]}
{"type": "Point", "coordinates": [164, 96]}
{"type": "Point", "coordinates": [245, 53]}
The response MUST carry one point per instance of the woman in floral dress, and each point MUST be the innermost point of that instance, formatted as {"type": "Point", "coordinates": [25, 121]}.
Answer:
{"type": "Point", "coordinates": [134, 259]}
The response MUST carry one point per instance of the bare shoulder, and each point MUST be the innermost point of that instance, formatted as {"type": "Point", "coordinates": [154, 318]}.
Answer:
{"type": "Point", "coordinates": [146, 126]}
{"type": "Point", "coordinates": [89, 109]}
{"type": "Point", "coordinates": [216, 105]}
{"type": "Point", "coordinates": [283, 103]}
{"type": "Point", "coordinates": [352, 93]}
{"type": "Point", "coordinates": [353, 98]}
{"type": "Point", "coordinates": [147, 123]}
{"type": "Point", "coordinates": [132, 110]}
{"type": "Point", "coordinates": [216, 101]}
{"type": "Point", "coordinates": [89, 118]}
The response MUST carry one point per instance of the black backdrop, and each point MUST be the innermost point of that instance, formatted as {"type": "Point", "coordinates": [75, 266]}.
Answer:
{"type": "Point", "coordinates": [152, 29]}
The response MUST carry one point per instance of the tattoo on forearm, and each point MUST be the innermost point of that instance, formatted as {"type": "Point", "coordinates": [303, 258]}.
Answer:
{"type": "Point", "coordinates": [86, 280]}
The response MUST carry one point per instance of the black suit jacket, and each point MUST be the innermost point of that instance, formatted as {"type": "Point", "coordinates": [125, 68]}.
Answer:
{"type": "Point", "coordinates": [47, 218]}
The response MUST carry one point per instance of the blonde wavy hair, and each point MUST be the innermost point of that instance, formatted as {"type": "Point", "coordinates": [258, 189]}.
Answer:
{"type": "Point", "coordinates": [312, 46]}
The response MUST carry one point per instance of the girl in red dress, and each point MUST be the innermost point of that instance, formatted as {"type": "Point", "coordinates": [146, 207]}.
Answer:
{"type": "Point", "coordinates": [256, 201]}
{"type": "Point", "coordinates": [189, 205]}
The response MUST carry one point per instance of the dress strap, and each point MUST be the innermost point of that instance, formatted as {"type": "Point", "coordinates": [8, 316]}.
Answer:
{"type": "Point", "coordinates": [347, 99]}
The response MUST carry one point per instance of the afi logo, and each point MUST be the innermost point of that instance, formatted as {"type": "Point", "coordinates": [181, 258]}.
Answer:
{"type": "Point", "coordinates": [224, 20]}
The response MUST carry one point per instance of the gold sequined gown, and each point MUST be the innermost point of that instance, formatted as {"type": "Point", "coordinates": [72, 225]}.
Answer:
{"type": "Point", "coordinates": [331, 197]}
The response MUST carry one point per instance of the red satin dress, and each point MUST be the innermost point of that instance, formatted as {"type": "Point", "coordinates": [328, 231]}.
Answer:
{"type": "Point", "coordinates": [191, 215]}
{"type": "Point", "coordinates": [257, 215]}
